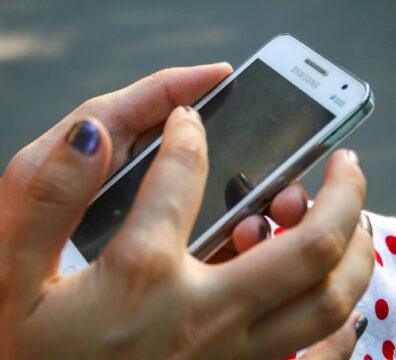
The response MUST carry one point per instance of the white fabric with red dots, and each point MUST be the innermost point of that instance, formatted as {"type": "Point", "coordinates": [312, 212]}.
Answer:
{"type": "Point", "coordinates": [378, 304]}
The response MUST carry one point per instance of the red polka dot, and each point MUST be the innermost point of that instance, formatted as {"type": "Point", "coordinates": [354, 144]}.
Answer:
{"type": "Point", "coordinates": [378, 258]}
{"type": "Point", "coordinates": [388, 349]}
{"type": "Point", "coordinates": [391, 243]}
{"type": "Point", "coordinates": [290, 357]}
{"type": "Point", "coordinates": [279, 230]}
{"type": "Point", "coordinates": [381, 309]}
{"type": "Point", "coordinates": [367, 357]}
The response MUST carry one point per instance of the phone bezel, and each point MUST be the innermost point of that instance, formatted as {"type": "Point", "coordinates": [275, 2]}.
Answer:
{"type": "Point", "coordinates": [282, 53]}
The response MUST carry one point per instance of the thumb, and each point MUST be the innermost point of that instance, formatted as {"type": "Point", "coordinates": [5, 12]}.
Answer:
{"type": "Point", "coordinates": [55, 201]}
{"type": "Point", "coordinates": [340, 345]}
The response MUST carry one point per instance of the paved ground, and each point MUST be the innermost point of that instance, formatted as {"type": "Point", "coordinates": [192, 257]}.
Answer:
{"type": "Point", "coordinates": [54, 54]}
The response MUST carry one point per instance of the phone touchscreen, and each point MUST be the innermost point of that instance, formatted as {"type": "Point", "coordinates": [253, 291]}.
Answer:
{"type": "Point", "coordinates": [253, 125]}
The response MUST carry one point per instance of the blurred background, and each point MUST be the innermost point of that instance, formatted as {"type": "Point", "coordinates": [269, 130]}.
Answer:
{"type": "Point", "coordinates": [55, 54]}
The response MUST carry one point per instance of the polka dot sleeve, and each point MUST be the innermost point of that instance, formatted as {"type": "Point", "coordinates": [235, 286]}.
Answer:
{"type": "Point", "coordinates": [378, 304]}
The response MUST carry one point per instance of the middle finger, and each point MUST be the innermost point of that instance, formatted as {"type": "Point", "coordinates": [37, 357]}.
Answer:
{"type": "Point", "coordinates": [170, 196]}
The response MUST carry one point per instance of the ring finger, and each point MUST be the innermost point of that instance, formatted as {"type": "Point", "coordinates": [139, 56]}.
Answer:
{"type": "Point", "coordinates": [321, 310]}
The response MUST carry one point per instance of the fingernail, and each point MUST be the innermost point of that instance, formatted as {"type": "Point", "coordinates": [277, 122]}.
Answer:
{"type": "Point", "coordinates": [353, 157]}
{"type": "Point", "coordinates": [189, 109]}
{"type": "Point", "coordinates": [84, 137]}
{"type": "Point", "coordinates": [361, 326]}
{"type": "Point", "coordinates": [223, 63]}
{"type": "Point", "coordinates": [264, 230]}
{"type": "Point", "coordinates": [365, 224]}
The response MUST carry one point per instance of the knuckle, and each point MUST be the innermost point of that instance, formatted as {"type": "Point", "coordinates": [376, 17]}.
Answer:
{"type": "Point", "coordinates": [96, 107]}
{"type": "Point", "coordinates": [18, 158]}
{"type": "Point", "coordinates": [92, 103]}
{"type": "Point", "coordinates": [148, 263]}
{"type": "Point", "coordinates": [53, 188]}
{"type": "Point", "coordinates": [162, 78]}
{"type": "Point", "coordinates": [189, 153]}
{"type": "Point", "coordinates": [333, 310]}
{"type": "Point", "coordinates": [19, 163]}
{"type": "Point", "coordinates": [161, 75]}
{"type": "Point", "coordinates": [174, 215]}
{"type": "Point", "coordinates": [324, 249]}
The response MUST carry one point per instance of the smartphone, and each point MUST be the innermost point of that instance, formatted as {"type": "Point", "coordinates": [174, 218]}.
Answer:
{"type": "Point", "coordinates": [271, 120]}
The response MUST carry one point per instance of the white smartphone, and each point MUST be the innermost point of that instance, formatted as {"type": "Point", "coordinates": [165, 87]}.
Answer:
{"type": "Point", "coordinates": [274, 117]}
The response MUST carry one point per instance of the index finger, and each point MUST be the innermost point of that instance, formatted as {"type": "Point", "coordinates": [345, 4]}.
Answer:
{"type": "Point", "coordinates": [125, 113]}
{"type": "Point", "coordinates": [140, 106]}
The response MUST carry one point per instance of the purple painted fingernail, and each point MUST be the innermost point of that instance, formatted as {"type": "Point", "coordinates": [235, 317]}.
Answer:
{"type": "Point", "coordinates": [84, 137]}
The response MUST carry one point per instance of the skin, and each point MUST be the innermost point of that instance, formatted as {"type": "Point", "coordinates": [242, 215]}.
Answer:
{"type": "Point", "coordinates": [145, 297]}
{"type": "Point", "coordinates": [338, 346]}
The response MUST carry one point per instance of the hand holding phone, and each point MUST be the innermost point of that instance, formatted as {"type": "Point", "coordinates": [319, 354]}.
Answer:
{"type": "Point", "coordinates": [268, 122]}
{"type": "Point", "coordinates": [145, 296]}
{"type": "Point", "coordinates": [111, 308]}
